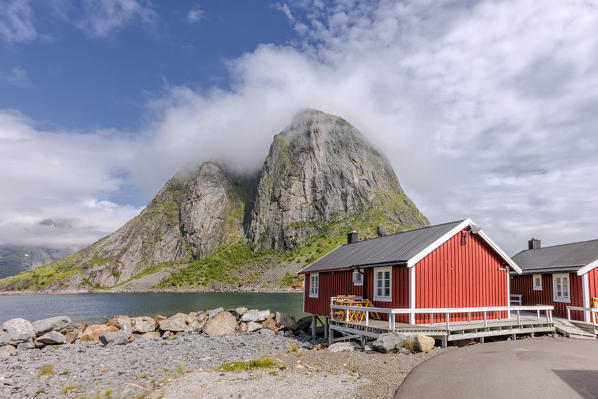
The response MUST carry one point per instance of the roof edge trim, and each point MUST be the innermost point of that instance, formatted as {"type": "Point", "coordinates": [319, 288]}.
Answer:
{"type": "Point", "coordinates": [587, 268]}
{"type": "Point", "coordinates": [302, 271]}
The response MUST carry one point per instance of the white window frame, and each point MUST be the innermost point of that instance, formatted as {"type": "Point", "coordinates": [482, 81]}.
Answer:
{"type": "Point", "coordinates": [537, 287]}
{"type": "Point", "coordinates": [357, 278]}
{"type": "Point", "coordinates": [382, 298]}
{"type": "Point", "coordinates": [314, 289]}
{"type": "Point", "coordinates": [561, 298]}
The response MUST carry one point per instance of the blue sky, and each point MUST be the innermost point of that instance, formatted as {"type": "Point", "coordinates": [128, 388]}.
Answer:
{"type": "Point", "coordinates": [73, 77]}
{"type": "Point", "coordinates": [486, 109]}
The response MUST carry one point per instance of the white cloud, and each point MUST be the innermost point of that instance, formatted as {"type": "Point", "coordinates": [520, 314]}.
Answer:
{"type": "Point", "coordinates": [285, 9]}
{"type": "Point", "coordinates": [16, 76]}
{"type": "Point", "coordinates": [485, 110]}
{"type": "Point", "coordinates": [194, 15]}
{"type": "Point", "coordinates": [102, 17]}
{"type": "Point", "coordinates": [16, 21]}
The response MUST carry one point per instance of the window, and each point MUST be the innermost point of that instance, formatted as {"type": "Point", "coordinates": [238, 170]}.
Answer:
{"type": "Point", "coordinates": [560, 284]}
{"type": "Point", "coordinates": [357, 278]}
{"type": "Point", "coordinates": [537, 282]}
{"type": "Point", "coordinates": [383, 284]}
{"type": "Point", "coordinates": [313, 285]}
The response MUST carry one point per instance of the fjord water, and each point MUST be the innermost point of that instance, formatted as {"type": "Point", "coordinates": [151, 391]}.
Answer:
{"type": "Point", "coordinates": [96, 307]}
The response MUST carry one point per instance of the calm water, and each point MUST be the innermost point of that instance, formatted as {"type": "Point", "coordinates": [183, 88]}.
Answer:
{"type": "Point", "coordinates": [96, 307]}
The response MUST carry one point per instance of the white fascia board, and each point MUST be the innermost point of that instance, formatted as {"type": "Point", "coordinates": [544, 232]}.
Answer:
{"type": "Point", "coordinates": [305, 268]}
{"type": "Point", "coordinates": [587, 268]}
{"type": "Point", "coordinates": [426, 251]}
{"type": "Point", "coordinates": [466, 223]}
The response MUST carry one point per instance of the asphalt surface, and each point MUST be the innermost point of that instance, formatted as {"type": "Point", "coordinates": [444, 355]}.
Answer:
{"type": "Point", "coordinates": [530, 368]}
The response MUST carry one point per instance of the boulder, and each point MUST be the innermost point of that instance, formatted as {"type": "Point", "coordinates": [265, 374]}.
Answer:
{"type": "Point", "coordinates": [175, 323]}
{"type": "Point", "coordinates": [73, 335]}
{"type": "Point", "coordinates": [270, 324]}
{"type": "Point", "coordinates": [92, 333]}
{"type": "Point", "coordinates": [159, 318]}
{"type": "Point", "coordinates": [389, 342]}
{"type": "Point", "coordinates": [116, 337]}
{"type": "Point", "coordinates": [7, 350]}
{"type": "Point", "coordinates": [197, 324]}
{"type": "Point", "coordinates": [255, 315]}
{"type": "Point", "coordinates": [253, 326]}
{"type": "Point", "coordinates": [52, 338]}
{"type": "Point", "coordinates": [266, 332]}
{"type": "Point", "coordinates": [240, 311]}
{"type": "Point", "coordinates": [190, 317]}
{"type": "Point", "coordinates": [15, 331]}
{"type": "Point", "coordinates": [25, 346]}
{"type": "Point", "coordinates": [73, 327]}
{"type": "Point", "coordinates": [143, 324]}
{"type": "Point", "coordinates": [304, 323]}
{"type": "Point", "coordinates": [419, 343]}
{"type": "Point", "coordinates": [151, 335]}
{"type": "Point", "coordinates": [342, 347]}
{"type": "Point", "coordinates": [57, 323]}
{"type": "Point", "coordinates": [214, 312]}
{"type": "Point", "coordinates": [241, 327]}
{"type": "Point", "coordinates": [120, 321]}
{"type": "Point", "coordinates": [222, 323]}
{"type": "Point", "coordinates": [286, 321]}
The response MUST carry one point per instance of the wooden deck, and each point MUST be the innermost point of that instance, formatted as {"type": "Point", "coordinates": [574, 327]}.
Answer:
{"type": "Point", "coordinates": [528, 324]}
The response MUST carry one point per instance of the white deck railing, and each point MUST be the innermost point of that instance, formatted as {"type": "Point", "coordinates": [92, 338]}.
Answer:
{"type": "Point", "coordinates": [447, 312]}
{"type": "Point", "coordinates": [516, 300]}
{"type": "Point", "coordinates": [593, 314]}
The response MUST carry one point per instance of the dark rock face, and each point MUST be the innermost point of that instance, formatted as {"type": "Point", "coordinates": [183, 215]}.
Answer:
{"type": "Point", "coordinates": [320, 170]}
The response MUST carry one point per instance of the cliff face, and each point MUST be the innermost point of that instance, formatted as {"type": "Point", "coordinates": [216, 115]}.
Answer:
{"type": "Point", "coordinates": [320, 179]}
{"type": "Point", "coordinates": [322, 170]}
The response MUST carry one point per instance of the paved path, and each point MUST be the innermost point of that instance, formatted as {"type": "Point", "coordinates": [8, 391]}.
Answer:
{"type": "Point", "coordinates": [530, 368]}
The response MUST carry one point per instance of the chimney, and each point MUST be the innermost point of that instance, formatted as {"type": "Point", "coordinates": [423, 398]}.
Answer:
{"type": "Point", "coordinates": [534, 243]}
{"type": "Point", "coordinates": [352, 237]}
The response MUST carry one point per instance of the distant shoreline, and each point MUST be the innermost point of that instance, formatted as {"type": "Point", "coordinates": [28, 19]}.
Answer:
{"type": "Point", "coordinates": [177, 291]}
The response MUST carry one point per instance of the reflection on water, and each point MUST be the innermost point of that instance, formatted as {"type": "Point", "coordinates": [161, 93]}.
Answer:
{"type": "Point", "coordinates": [96, 307]}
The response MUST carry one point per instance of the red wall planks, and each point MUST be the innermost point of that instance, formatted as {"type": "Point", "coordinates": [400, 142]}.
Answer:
{"type": "Point", "coordinates": [460, 273]}
{"type": "Point", "coordinates": [523, 285]}
{"type": "Point", "coordinates": [593, 284]}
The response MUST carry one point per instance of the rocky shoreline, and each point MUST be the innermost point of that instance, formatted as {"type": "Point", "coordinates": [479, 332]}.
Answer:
{"type": "Point", "coordinates": [149, 291]}
{"type": "Point", "coordinates": [129, 357]}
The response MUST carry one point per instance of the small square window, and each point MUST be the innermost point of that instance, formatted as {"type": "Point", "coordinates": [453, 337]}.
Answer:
{"type": "Point", "coordinates": [560, 287]}
{"type": "Point", "coordinates": [383, 284]}
{"type": "Point", "coordinates": [357, 278]}
{"type": "Point", "coordinates": [537, 279]}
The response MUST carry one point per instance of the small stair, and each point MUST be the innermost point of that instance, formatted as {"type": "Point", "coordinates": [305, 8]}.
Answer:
{"type": "Point", "coordinates": [568, 329]}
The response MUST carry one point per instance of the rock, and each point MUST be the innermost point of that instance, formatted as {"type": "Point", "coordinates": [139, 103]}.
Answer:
{"type": "Point", "coordinates": [304, 323]}
{"type": "Point", "coordinates": [286, 321]}
{"type": "Point", "coordinates": [190, 317]}
{"type": "Point", "coordinates": [131, 391]}
{"type": "Point", "coordinates": [389, 342]}
{"type": "Point", "coordinates": [15, 331]}
{"type": "Point", "coordinates": [73, 335]}
{"type": "Point", "coordinates": [223, 323]}
{"type": "Point", "coordinates": [120, 322]}
{"type": "Point", "coordinates": [92, 332]}
{"type": "Point", "coordinates": [309, 164]}
{"type": "Point", "coordinates": [197, 324]}
{"type": "Point", "coordinates": [116, 337]}
{"type": "Point", "coordinates": [151, 335]}
{"type": "Point", "coordinates": [241, 311]}
{"type": "Point", "coordinates": [288, 333]}
{"type": "Point", "coordinates": [143, 324]}
{"type": "Point", "coordinates": [241, 327]}
{"type": "Point", "coordinates": [159, 318]}
{"type": "Point", "coordinates": [270, 324]}
{"type": "Point", "coordinates": [52, 338]}
{"type": "Point", "coordinates": [383, 230]}
{"type": "Point", "coordinates": [341, 347]}
{"type": "Point", "coordinates": [419, 343]}
{"type": "Point", "coordinates": [266, 332]}
{"type": "Point", "coordinates": [255, 315]}
{"type": "Point", "coordinates": [7, 350]}
{"type": "Point", "coordinates": [52, 324]}
{"type": "Point", "coordinates": [253, 326]}
{"type": "Point", "coordinates": [23, 346]}
{"type": "Point", "coordinates": [73, 327]}
{"type": "Point", "coordinates": [214, 312]}
{"type": "Point", "coordinates": [175, 323]}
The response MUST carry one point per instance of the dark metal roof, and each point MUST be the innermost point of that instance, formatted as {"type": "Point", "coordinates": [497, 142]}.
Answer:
{"type": "Point", "coordinates": [558, 258]}
{"type": "Point", "coordinates": [392, 249]}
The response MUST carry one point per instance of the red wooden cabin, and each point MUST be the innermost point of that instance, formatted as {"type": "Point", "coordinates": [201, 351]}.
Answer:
{"type": "Point", "coordinates": [451, 265]}
{"type": "Point", "coordinates": [560, 275]}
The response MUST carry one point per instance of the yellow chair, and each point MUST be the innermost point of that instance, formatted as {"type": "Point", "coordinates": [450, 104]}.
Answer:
{"type": "Point", "coordinates": [595, 300]}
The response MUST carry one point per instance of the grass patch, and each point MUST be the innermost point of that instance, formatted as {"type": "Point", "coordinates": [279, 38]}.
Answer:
{"type": "Point", "coordinates": [180, 369]}
{"type": "Point", "coordinates": [262, 363]}
{"type": "Point", "coordinates": [65, 372]}
{"type": "Point", "coordinates": [293, 348]}
{"type": "Point", "coordinates": [69, 388]}
{"type": "Point", "coordinates": [46, 370]}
